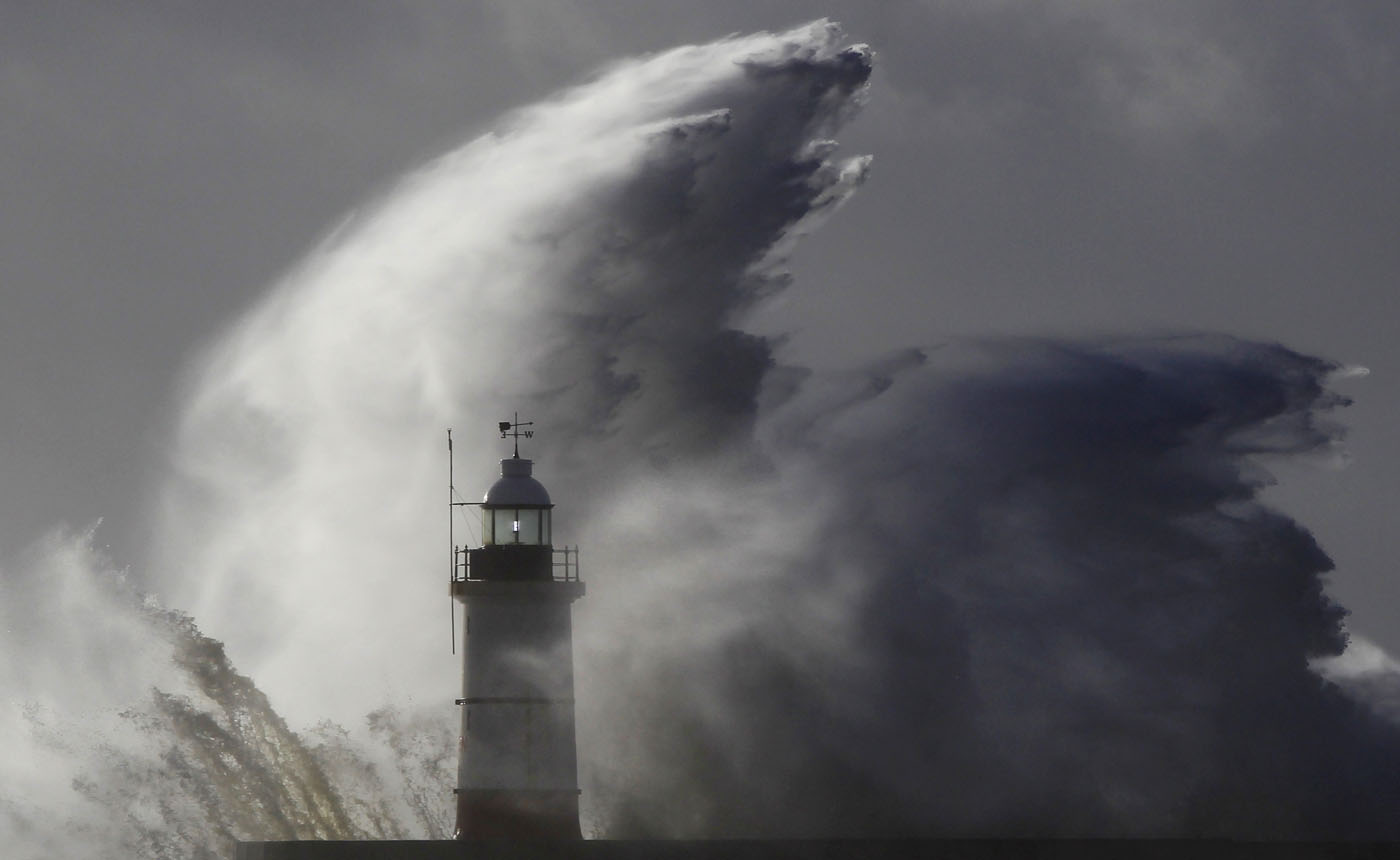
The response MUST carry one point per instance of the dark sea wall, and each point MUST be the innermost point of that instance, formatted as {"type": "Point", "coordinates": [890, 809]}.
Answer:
{"type": "Point", "coordinates": [815, 849]}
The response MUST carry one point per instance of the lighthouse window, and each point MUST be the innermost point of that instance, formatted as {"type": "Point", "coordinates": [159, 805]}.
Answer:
{"type": "Point", "coordinates": [527, 526]}
{"type": "Point", "coordinates": [515, 525]}
{"type": "Point", "coordinates": [504, 531]}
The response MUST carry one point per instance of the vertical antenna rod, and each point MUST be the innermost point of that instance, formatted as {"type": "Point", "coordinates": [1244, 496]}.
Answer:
{"type": "Point", "coordinates": [451, 541]}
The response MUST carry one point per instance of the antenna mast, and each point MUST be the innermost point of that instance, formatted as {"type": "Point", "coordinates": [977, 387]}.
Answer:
{"type": "Point", "coordinates": [451, 540]}
{"type": "Point", "coordinates": [514, 429]}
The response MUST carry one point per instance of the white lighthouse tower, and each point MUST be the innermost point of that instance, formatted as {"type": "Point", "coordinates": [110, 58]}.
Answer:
{"type": "Point", "coordinates": [517, 775]}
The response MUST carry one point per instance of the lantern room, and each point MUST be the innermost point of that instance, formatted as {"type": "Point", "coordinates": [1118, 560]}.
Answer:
{"type": "Point", "coordinates": [516, 509]}
{"type": "Point", "coordinates": [515, 528]}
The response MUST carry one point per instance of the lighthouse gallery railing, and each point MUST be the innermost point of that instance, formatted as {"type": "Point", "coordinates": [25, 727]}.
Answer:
{"type": "Point", "coordinates": [564, 564]}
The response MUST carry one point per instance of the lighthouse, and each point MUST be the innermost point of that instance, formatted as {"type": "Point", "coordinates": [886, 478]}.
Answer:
{"type": "Point", "coordinates": [517, 775]}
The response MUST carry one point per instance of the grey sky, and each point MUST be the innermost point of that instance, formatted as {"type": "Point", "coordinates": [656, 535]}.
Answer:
{"type": "Point", "coordinates": [1050, 167]}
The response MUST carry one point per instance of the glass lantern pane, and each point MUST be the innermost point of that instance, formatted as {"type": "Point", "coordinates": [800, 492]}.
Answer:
{"type": "Point", "coordinates": [487, 537]}
{"type": "Point", "coordinates": [505, 526]}
{"type": "Point", "coordinates": [545, 537]}
{"type": "Point", "coordinates": [529, 526]}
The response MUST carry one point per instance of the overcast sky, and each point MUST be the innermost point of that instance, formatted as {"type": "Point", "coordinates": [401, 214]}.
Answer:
{"type": "Point", "coordinates": [1057, 168]}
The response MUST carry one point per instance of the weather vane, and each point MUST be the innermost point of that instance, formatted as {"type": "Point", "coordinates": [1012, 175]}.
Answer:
{"type": "Point", "coordinates": [513, 429]}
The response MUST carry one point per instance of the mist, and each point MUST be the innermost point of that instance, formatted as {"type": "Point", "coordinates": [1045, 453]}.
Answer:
{"type": "Point", "coordinates": [1004, 586]}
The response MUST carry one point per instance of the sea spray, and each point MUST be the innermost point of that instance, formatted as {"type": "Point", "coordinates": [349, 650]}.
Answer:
{"type": "Point", "coordinates": [597, 244]}
{"type": "Point", "coordinates": [175, 753]}
{"type": "Point", "coordinates": [996, 587]}
{"type": "Point", "coordinates": [1018, 586]}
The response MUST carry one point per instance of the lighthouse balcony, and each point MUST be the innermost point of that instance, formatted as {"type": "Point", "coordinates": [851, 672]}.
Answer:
{"type": "Point", "coordinates": [515, 563]}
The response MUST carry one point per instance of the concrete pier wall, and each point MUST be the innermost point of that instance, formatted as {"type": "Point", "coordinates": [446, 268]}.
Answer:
{"type": "Point", "coordinates": [816, 849]}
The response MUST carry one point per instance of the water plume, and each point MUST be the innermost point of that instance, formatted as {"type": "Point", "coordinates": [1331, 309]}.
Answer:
{"type": "Point", "coordinates": [133, 735]}
{"type": "Point", "coordinates": [986, 587]}
{"type": "Point", "coordinates": [596, 245]}
{"type": "Point", "coordinates": [1036, 596]}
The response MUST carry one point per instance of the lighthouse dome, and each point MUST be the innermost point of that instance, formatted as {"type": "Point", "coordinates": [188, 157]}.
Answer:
{"type": "Point", "coordinates": [516, 488]}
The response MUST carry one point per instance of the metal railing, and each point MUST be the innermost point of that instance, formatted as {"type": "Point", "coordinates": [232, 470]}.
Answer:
{"type": "Point", "coordinates": [564, 565]}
